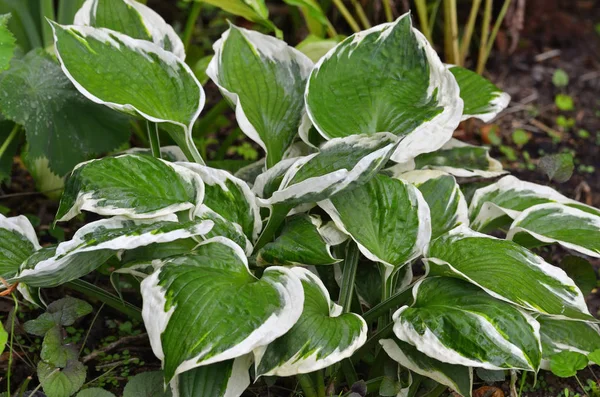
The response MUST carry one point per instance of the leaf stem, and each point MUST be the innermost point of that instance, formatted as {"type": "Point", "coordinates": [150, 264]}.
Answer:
{"type": "Point", "coordinates": [320, 383]}
{"type": "Point", "coordinates": [451, 32]}
{"type": "Point", "coordinates": [466, 39]}
{"type": "Point", "coordinates": [361, 14]}
{"type": "Point", "coordinates": [347, 16]}
{"type": "Point", "coordinates": [8, 140]}
{"type": "Point", "coordinates": [191, 23]}
{"type": "Point", "coordinates": [421, 6]}
{"type": "Point", "coordinates": [387, 8]}
{"type": "Point", "coordinates": [109, 299]}
{"type": "Point", "coordinates": [485, 28]}
{"type": "Point", "coordinates": [278, 214]}
{"type": "Point", "coordinates": [349, 276]}
{"type": "Point", "coordinates": [392, 302]}
{"type": "Point", "coordinates": [47, 11]}
{"type": "Point", "coordinates": [153, 138]}
{"type": "Point", "coordinates": [307, 385]}
{"type": "Point", "coordinates": [12, 337]}
{"type": "Point", "coordinates": [496, 28]}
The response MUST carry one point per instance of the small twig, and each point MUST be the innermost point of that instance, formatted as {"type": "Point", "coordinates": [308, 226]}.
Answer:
{"type": "Point", "coordinates": [110, 346]}
{"type": "Point", "coordinates": [28, 193]}
{"type": "Point", "coordinates": [9, 288]}
{"type": "Point", "coordinates": [546, 55]}
{"type": "Point", "coordinates": [552, 132]}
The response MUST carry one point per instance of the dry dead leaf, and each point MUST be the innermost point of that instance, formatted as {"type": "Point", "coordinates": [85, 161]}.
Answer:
{"type": "Point", "coordinates": [488, 391]}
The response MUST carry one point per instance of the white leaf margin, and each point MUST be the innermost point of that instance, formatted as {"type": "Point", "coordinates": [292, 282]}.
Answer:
{"type": "Point", "coordinates": [20, 225]}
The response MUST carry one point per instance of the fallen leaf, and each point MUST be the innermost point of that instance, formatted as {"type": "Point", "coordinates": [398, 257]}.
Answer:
{"type": "Point", "coordinates": [488, 391]}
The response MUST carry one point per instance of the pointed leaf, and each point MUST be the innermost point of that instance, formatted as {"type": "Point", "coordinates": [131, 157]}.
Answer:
{"type": "Point", "coordinates": [224, 379]}
{"type": "Point", "coordinates": [559, 335]}
{"type": "Point", "coordinates": [557, 223]}
{"type": "Point", "coordinates": [132, 185]}
{"type": "Point", "coordinates": [270, 109]}
{"type": "Point", "coordinates": [17, 242]}
{"type": "Point", "coordinates": [206, 307]}
{"type": "Point", "coordinates": [385, 79]}
{"type": "Point", "coordinates": [322, 336]}
{"type": "Point", "coordinates": [7, 42]}
{"type": "Point", "coordinates": [506, 271]}
{"type": "Point", "coordinates": [454, 321]}
{"type": "Point", "coordinates": [133, 19]}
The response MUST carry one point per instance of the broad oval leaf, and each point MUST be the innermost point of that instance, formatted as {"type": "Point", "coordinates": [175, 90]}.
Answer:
{"type": "Point", "coordinates": [99, 62]}
{"type": "Point", "coordinates": [385, 79]}
{"type": "Point", "coordinates": [136, 186]}
{"type": "Point", "coordinates": [506, 271]}
{"type": "Point", "coordinates": [264, 79]}
{"type": "Point", "coordinates": [322, 336]}
{"type": "Point", "coordinates": [559, 335]}
{"type": "Point", "coordinates": [557, 223]}
{"type": "Point", "coordinates": [17, 242]}
{"type": "Point", "coordinates": [206, 307]}
{"type": "Point", "coordinates": [133, 19]}
{"type": "Point", "coordinates": [7, 42]}
{"type": "Point", "coordinates": [223, 227]}
{"type": "Point", "coordinates": [499, 202]}
{"type": "Point", "coordinates": [388, 218]}
{"type": "Point", "coordinates": [456, 322]}
{"type": "Point", "coordinates": [63, 382]}
{"type": "Point", "coordinates": [483, 100]}
{"type": "Point", "coordinates": [456, 377]}
{"type": "Point", "coordinates": [146, 384]}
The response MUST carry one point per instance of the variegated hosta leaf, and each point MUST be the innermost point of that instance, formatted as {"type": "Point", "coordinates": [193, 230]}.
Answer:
{"type": "Point", "coordinates": [112, 69]}
{"type": "Point", "coordinates": [206, 307]}
{"type": "Point", "coordinates": [559, 335]}
{"type": "Point", "coordinates": [264, 79]}
{"type": "Point", "coordinates": [483, 100]}
{"type": "Point", "coordinates": [447, 204]}
{"type": "Point", "coordinates": [223, 227]}
{"type": "Point", "coordinates": [224, 379]}
{"type": "Point", "coordinates": [506, 271]}
{"type": "Point", "coordinates": [456, 377]}
{"type": "Point", "coordinates": [136, 186]}
{"type": "Point", "coordinates": [458, 323]}
{"type": "Point", "coordinates": [95, 242]}
{"type": "Point", "coordinates": [339, 163]}
{"type": "Point", "coordinates": [133, 19]}
{"type": "Point", "coordinates": [322, 336]}
{"type": "Point", "coordinates": [230, 197]}
{"type": "Point", "coordinates": [387, 78]}
{"type": "Point", "coordinates": [497, 203]}
{"type": "Point", "coordinates": [388, 218]}
{"type": "Point", "coordinates": [17, 242]}
{"type": "Point", "coordinates": [300, 243]}
{"type": "Point", "coordinates": [557, 223]}
{"type": "Point", "coordinates": [456, 158]}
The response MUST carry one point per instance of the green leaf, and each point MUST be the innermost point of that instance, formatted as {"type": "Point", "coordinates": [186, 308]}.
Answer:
{"type": "Point", "coordinates": [483, 100]}
{"type": "Point", "coordinates": [168, 153]}
{"type": "Point", "coordinates": [490, 376]}
{"type": "Point", "coordinates": [269, 111]}
{"type": "Point", "coordinates": [556, 223]}
{"type": "Point", "coordinates": [3, 338]}
{"type": "Point", "coordinates": [252, 10]}
{"type": "Point", "coordinates": [498, 203]}
{"type": "Point", "coordinates": [581, 271]}
{"type": "Point", "coordinates": [146, 384]}
{"type": "Point", "coordinates": [594, 356]}
{"type": "Point", "coordinates": [17, 242]}
{"type": "Point", "coordinates": [456, 377]}
{"type": "Point", "coordinates": [54, 352]}
{"type": "Point", "coordinates": [564, 102]}
{"type": "Point", "coordinates": [520, 137]}
{"type": "Point", "coordinates": [388, 218]}
{"type": "Point", "coordinates": [223, 379]}
{"type": "Point", "coordinates": [322, 336]}
{"type": "Point", "coordinates": [387, 78]}
{"type": "Point", "coordinates": [98, 61]}
{"type": "Point", "coordinates": [222, 227]}
{"type": "Point", "coordinates": [61, 124]}
{"type": "Point", "coordinates": [566, 364]}
{"type": "Point", "coordinates": [7, 42]}
{"type": "Point", "coordinates": [558, 167]}
{"type": "Point", "coordinates": [447, 204]}
{"type": "Point", "coordinates": [133, 19]}
{"type": "Point", "coordinates": [131, 185]}
{"type": "Point", "coordinates": [315, 47]}
{"type": "Point", "coordinates": [95, 392]}
{"type": "Point", "coordinates": [206, 307]}
{"type": "Point", "coordinates": [63, 382]}
{"type": "Point", "coordinates": [559, 335]}
{"type": "Point", "coordinates": [300, 243]}
{"type": "Point", "coordinates": [6, 160]}
{"type": "Point", "coordinates": [454, 321]}
{"type": "Point", "coordinates": [316, 20]}
{"type": "Point", "coordinates": [506, 271]}
{"type": "Point", "coordinates": [46, 180]}
{"type": "Point", "coordinates": [560, 78]}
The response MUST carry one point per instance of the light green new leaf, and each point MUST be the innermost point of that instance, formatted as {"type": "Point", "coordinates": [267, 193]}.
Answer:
{"type": "Point", "coordinates": [61, 383]}
{"type": "Point", "coordinates": [133, 19]}
{"type": "Point", "coordinates": [99, 62]}
{"type": "Point", "coordinates": [447, 204]}
{"type": "Point", "coordinates": [322, 336]}
{"type": "Point", "coordinates": [566, 363]}
{"type": "Point", "coordinates": [136, 186]}
{"type": "Point", "coordinates": [224, 379]}
{"type": "Point", "coordinates": [300, 243]}
{"type": "Point", "coordinates": [559, 335]}
{"type": "Point", "coordinates": [315, 47]}
{"type": "Point", "coordinates": [206, 307]}
{"type": "Point", "coordinates": [458, 378]}
{"type": "Point", "coordinates": [316, 20]}
{"type": "Point", "coordinates": [95, 242]}
{"type": "Point", "coordinates": [457, 322]}
{"type": "Point", "coordinates": [557, 223]}
{"type": "Point", "coordinates": [483, 100]}
{"type": "Point", "coordinates": [7, 42]}
{"type": "Point", "coordinates": [264, 79]}
{"type": "Point", "coordinates": [388, 218]}
{"type": "Point", "coordinates": [252, 10]}
{"type": "Point", "coordinates": [386, 79]}
{"type": "Point", "coordinates": [496, 204]}
{"type": "Point", "coordinates": [17, 242]}
{"type": "Point", "coordinates": [61, 124]}
{"type": "Point", "coordinates": [506, 271]}
{"type": "Point", "coordinates": [146, 384]}
{"type": "Point", "coordinates": [3, 338]}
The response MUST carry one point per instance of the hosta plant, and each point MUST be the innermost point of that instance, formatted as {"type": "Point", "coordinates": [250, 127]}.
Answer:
{"type": "Point", "coordinates": [302, 264]}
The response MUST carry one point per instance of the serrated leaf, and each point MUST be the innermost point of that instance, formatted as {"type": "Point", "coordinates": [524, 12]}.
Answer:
{"type": "Point", "coordinates": [506, 271]}
{"type": "Point", "coordinates": [566, 364]}
{"type": "Point", "coordinates": [322, 336]}
{"type": "Point", "coordinates": [559, 335]}
{"type": "Point", "coordinates": [17, 242]}
{"type": "Point", "coordinates": [61, 124]}
{"type": "Point", "coordinates": [63, 382]}
{"type": "Point", "coordinates": [146, 384]}
{"type": "Point", "coordinates": [233, 314]}
{"type": "Point", "coordinates": [270, 110]}
{"type": "Point", "coordinates": [454, 321]}
{"type": "Point", "coordinates": [131, 185]}
{"type": "Point", "coordinates": [7, 42]}
{"type": "Point", "coordinates": [133, 19]}
{"type": "Point", "coordinates": [95, 392]}
{"type": "Point", "coordinates": [558, 167]}
{"type": "Point", "coordinates": [387, 78]}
